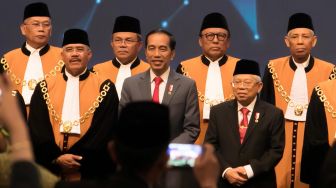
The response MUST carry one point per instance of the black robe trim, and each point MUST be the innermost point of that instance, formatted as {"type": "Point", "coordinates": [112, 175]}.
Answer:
{"type": "Point", "coordinates": [81, 77]}
{"type": "Point", "coordinates": [116, 63]}
{"type": "Point", "coordinates": [307, 69]}
{"type": "Point", "coordinates": [267, 93]}
{"type": "Point", "coordinates": [43, 51]}
{"type": "Point", "coordinates": [221, 62]}
{"type": "Point", "coordinates": [206, 62]}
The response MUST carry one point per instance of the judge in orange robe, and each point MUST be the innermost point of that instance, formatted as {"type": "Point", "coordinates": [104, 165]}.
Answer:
{"type": "Point", "coordinates": [126, 44]}
{"type": "Point", "coordinates": [212, 70]}
{"type": "Point", "coordinates": [73, 115]}
{"type": "Point", "coordinates": [288, 84]}
{"type": "Point", "coordinates": [36, 59]}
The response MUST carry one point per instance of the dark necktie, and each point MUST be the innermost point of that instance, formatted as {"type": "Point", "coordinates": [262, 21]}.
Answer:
{"type": "Point", "coordinates": [158, 80]}
{"type": "Point", "coordinates": [243, 124]}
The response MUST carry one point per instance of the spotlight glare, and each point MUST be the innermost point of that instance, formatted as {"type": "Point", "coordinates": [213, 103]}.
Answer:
{"type": "Point", "coordinates": [186, 2]}
{"type": "Point", "coordinates": [98, 1]}
{"type": "Point", "coordinates": [164, 24]}
{"type": "Point", "coordinates": [248, 12]}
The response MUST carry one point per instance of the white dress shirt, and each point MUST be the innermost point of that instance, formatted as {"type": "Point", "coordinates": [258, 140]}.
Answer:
{"type": "Point", "coordinates": [163, 84]}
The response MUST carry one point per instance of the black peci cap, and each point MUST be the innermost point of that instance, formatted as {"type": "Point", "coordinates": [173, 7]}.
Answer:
{"type": "Point", "coordinates": [300, 20]}
{"type": "Point", "coordinates": [75, 36]}
{"type": "Point", "coordinates": [214, 20]}
{"type": "Point", "coordinates": [36, 9]}
{"type": "Point", "coordinates": [126, 24]}
{"type": "Point", "coordinates": [245, 66]}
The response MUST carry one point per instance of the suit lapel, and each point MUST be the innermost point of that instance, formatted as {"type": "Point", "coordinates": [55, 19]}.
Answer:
{"type": "Point", "coordinates": [234, 124]}
{"type": "Point", "coordinates": [171, 87]}
{"type": "Point", "coordinates": [257, 114]}
{"type": "Point", "coordinates": [145, 86]}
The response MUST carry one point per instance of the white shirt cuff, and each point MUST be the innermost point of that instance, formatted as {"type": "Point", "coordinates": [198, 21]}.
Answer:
{"type": "Point", "coordinates": [249, 171]}
{"type": "Point", "coordinates": [223, 174]}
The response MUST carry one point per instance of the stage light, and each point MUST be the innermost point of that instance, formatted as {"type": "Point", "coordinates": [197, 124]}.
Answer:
{"type": "Point", "coordinates": [164, 24]}
{"type": "Point", "coordinates": [248, 11]}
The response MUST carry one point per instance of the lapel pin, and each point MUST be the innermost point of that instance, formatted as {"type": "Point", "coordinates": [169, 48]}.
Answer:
{"type": "Point", "coordinates": [256, 118]}
{"type": "Point", "coordinates": [170, 89]}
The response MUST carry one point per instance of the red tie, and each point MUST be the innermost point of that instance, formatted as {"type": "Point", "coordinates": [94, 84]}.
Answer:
{"type": "Point", "coordinates": [243, 124]}
{"type": "Point", "coordinates": [157, 81]}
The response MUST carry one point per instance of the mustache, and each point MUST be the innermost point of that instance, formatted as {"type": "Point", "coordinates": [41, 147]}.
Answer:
{"type": "Point", "coordinates": [75, 59]}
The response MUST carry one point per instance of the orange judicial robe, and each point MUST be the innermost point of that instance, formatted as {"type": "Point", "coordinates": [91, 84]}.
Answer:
{"type": "Point", "coordinates": [89, 90]}
{"type": "Point", "coordinates": [14, 63]}
{"type": "Point", "coordinates": [275, 91]}
{"type": "Point", "coordinates": [197, 69]}
{"type": "Point", "coordinates": [109, 69]}
{"type": "Point", "coordinates": [98, 111]}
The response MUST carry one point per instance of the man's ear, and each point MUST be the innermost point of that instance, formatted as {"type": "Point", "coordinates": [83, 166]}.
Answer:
{"type": "Point", "coordinates": [173, 55]}
{"type": "Point", "coordinates": [140, 46]}
{"type": "Point", "coordinates": [260, 87]}
{"type": "Point", "coordinates": [314, 41]}
{"type": "Point", "coordinates": [23, 29]}
{"type": "Point", "coordinates": [200, 42]}
{"type": "Point", "coordinates": [90, 55]}
{"type": "Point", "coordinates": [228, 43]}
{"type": "Point", "coordinates": [286, 39]}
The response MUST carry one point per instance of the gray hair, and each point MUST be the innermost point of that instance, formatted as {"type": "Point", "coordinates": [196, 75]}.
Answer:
{"type": "Point", "coordinates": [311, 31]}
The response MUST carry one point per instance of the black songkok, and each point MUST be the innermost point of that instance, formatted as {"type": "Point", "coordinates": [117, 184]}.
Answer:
{"type": "Point", "coordinates": [214, 20]}
{"type": "Point", "coordinates": [300, 20]}
{"type": "Point", "coordinates": [127, 24]}
{"type": "Point", "coordinates": [36, 9]}
{"type": "Point", "coordinates": [75, 36]}
{"type": "Point", "coordinates": [245, 66]}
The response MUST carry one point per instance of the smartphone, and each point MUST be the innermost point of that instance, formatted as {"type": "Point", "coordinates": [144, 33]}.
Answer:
{"type": "Point", "coordinates": [183, 155]}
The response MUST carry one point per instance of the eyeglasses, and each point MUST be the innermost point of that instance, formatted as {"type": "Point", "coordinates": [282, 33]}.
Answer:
{"type": "Point", "coordinates": [211, 36]}
{"type": "Point", "coordinates": [127, 41]}
{"type": "Point", "coordinates": [243, 83]}
{"type": "Point", "coordinates": [39, 24]}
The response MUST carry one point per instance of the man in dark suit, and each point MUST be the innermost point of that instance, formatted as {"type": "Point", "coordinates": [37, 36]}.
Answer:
{"type": "Point", "coordinates": [248, 134]}
{"type": "Point", "coordinates": [163, 85]}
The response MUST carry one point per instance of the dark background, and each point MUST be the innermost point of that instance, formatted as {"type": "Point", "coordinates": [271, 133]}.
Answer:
{"type": "Point", "coordinates": [271, 15]}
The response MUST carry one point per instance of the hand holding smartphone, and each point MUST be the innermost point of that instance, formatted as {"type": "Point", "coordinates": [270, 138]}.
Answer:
{"type": "Point", "coordinates": [183, 155]}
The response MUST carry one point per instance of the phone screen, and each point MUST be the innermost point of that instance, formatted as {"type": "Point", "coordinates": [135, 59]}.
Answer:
{"type": "Point", "coordinates": [183, 155]}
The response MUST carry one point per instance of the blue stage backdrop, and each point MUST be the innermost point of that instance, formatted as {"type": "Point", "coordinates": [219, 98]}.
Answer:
{"type": "Point", "coordinates": [257, 26]}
